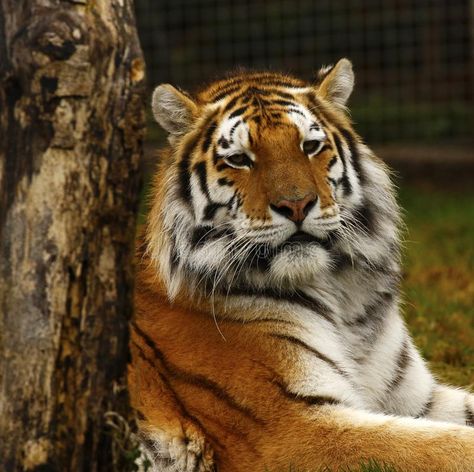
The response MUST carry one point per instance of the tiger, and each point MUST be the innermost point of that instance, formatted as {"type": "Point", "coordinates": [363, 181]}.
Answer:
{"type": "Point", "coordinates": [267, 333]}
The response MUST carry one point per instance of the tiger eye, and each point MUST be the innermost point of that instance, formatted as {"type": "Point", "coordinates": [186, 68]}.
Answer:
{"type": "Point", "coordinates": [310, 147]}
{"type": "Point", "coordinates": [239, 160]}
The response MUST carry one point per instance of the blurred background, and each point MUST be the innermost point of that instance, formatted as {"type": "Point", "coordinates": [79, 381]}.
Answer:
{"type": "Point", "coordinates": [413, 103]}
{"type": "Point", "coordinates": [413, 58]}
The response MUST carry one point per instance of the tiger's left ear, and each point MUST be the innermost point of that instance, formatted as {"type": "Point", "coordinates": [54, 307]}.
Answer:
{"type": "Point", "coordinates": [335, 83]}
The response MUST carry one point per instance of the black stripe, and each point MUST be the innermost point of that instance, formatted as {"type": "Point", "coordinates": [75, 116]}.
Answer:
{"type": "Point", "coordinates": [269, 81]}
{"type": "Point", "coordinates": [374, 312]}
{"type": "Point", "coordinates": [274, 109]}
{"type": "Point", "coordinates": [340, 260]}
{"type": "Point", "coordinates": [174, 257]}
{"type": "Point", "coordinates": [333, 160]}
{"type": "Point", "coordinates": [232, 130]}
{"type": "Point", "coordinates": [469, 413]}
{"type": "Point", "coordinates": [201, 171]}
{"type": "Point", "coordinates": [426, 409]}
{"type": "Point", "coordinates": [309, 400]}
{"type": "Point", "coordinates": [223, 142]}
{"type": "Point", "coordinates": [251, 140]}
{"type": "Point", "coordinates": [312, 350]}
{"type": "Point", "coordinates": [197, 380]}
{"type": "Point", "coordinates": [227, 90]}
{"type": "Point", "coordinates": [231, 202]}
{"type": "Point", "coordinates": [225, 181]}
{"type": "Point", "coordinates": [295, 110]}
{"type": "Point", "coordinates": [282, 94]}
{"type": "Point", "coordinates": [314, 102]}
{"type": "Point", "coordinates": [354, 150]}
{"type": "Point", "coordinates": [206, 144]}
{"type": "Point", "coordinates": [247, 95]}
{"type": "Point", "coordinates": [345, 179]}
{"type": "Point", "coordinates": [259, 91]}
{"type": "Point", "coordinates": [246, 99]}
{"type": "Point", "coordinates": [262, 264]}
{"type": "Point", "coordinates": [230, 104]}
{"type": "Point", "coordinates": [259, 102]}
{"type": "Point", "coordinates": [238, 112]}
{"type": "Point", "coordinates": [277, 123]}
{"type": "Point", "coordinates": [202, 234]}
{"type": "Point", "coordinates": [364, 217]}
{"type": "Point", "coordinates": [285, 103]}
{"type": "Point", "coordinates": [297, 297]}
{"type": "Point", "coordinates": [383, 299]}
{"type": "Point", "coordinates": [184, 176]}
{"type": "Point", "coordinates": [400, 369]}
{"type": "Point", "coordinates": [216, 157]}
{"type": "Point", "coordinates": [211, 209]}
{"type": "Point", "coordinates": [279, 93]}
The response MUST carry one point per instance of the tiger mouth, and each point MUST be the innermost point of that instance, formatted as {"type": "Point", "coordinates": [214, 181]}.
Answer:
{"type": "Point", "coordinates": [263, 254]}
{"type": "Point", "coordinates": [302, 237]}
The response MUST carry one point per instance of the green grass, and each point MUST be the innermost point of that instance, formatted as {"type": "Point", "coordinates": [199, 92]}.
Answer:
{"type": "Point", "coordinates": [439, 279]}
{"type": "Point", "coordinates": [370, 466]}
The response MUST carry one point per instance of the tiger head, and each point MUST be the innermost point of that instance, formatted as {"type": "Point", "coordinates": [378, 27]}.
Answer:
{"type": "Point", "coordinates": [265, 182]}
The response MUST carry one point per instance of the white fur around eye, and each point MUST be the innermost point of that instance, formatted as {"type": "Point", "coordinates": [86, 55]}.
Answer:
{"type": "Point", "coordinates": [310, 129]}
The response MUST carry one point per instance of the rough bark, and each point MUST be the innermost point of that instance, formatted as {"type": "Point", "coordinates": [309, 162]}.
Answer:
{"type": "Point", "coordinates": [71, 127]}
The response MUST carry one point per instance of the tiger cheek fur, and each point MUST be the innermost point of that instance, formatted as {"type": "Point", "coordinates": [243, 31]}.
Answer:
{"type": "Point", "coordinates": [267, 332]}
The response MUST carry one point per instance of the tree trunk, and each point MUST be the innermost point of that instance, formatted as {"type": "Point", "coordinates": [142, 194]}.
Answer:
{"type": "Point", "coordinates": [71, 129]}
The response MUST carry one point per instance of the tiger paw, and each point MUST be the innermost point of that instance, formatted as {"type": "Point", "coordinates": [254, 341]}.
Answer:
{"type": "Point", "coordinates": [186, 452]}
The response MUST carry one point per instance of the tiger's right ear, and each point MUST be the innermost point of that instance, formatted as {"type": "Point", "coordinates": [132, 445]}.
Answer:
{"type": "Point", "coordinates": [173, 110]}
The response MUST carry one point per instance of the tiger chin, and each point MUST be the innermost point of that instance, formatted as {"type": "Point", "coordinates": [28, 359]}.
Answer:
{"type": "Point", "coordinates": [267, 332]}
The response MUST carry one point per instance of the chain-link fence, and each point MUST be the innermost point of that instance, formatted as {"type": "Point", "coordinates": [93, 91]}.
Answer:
{"type": "Point", "coordinates": [413, 58]}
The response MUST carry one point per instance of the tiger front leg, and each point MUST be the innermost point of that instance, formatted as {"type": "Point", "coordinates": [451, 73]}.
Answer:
{"type": "Point", "coordinates": [171, 440]}
{"type": "Point", "coordinates": [450, 404]}
{"type": "Point", "coordinates": [416, 393]}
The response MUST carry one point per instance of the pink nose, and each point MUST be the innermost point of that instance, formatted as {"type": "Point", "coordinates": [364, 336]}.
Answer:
{"type": "Point", "coordinates": [295, 210]}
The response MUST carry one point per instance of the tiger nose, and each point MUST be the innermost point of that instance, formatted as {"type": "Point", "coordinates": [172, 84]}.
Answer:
{"type": "Point", "coordinates": [295, 210]}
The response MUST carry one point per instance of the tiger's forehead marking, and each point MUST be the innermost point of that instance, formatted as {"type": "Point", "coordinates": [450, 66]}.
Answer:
{"type": "Point", "coordinates": [241, 123]}
{"type": "Point", "coordinates": [233, 136]}
{"type": "Point", "coordinates": [268, 83]}
{"type": "Point", "coordinates": [309, 126]}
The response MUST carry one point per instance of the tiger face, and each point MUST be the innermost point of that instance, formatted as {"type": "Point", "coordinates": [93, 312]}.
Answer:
{"type": "Point", "coordinates": [264, 182]}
